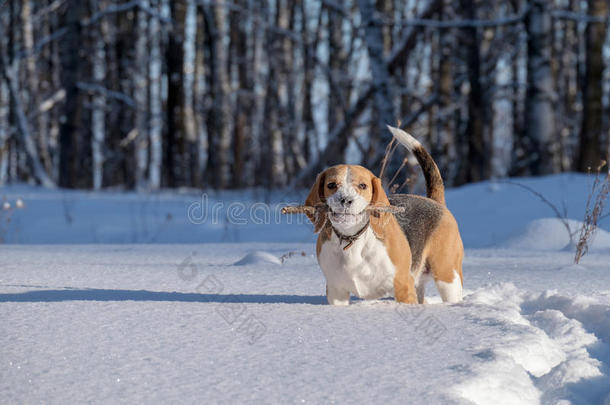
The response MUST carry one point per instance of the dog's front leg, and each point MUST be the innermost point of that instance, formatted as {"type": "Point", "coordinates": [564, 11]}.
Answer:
{"type": "Point", "coordinates": [404, 288]}
{"type": "Point", "coordinates": [337, 296]}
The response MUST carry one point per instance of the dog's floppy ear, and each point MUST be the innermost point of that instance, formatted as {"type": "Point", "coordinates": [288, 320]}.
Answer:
{"type": "Point", "coordinates": [315, 199]}
{"type": "Point", "coordinates": [379, 199]}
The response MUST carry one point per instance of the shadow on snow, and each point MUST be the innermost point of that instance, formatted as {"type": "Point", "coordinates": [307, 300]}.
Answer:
{"type": "Point", "coordinates": [144, 295]}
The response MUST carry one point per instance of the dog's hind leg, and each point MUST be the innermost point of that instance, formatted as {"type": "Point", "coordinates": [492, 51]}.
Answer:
{"type": "Point", "coordinates": [450, 292]}
{"type": "Point", "coordinates": [420, 287]}
{"type": "Point", "coordinates": [421, 290]}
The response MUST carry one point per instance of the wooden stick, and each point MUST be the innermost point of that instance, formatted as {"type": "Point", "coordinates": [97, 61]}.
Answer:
{"type": "Point", "coordinates": [305, 209]}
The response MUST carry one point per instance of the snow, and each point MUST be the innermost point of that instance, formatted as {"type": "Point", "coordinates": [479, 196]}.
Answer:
{"type": "Point", "coordinates": [258, 258]}
{"type": "Point", "coordinates": [179, 320]}
{"type": "Point", "coordinates": [551, 234]}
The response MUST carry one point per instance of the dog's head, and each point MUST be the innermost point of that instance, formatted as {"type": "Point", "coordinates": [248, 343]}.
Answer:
{"type": "Point", "coordinates": [347, 190]}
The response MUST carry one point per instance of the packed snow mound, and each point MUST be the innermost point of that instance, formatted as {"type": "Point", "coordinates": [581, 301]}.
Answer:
{"type": "Point", "coordinates": [258, 258]}
{"type": "Point", "coordinates": [550, 234]}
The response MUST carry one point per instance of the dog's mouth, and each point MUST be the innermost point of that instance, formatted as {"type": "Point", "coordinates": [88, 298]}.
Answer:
{"type": "Point", "coordinates": [338, 216]}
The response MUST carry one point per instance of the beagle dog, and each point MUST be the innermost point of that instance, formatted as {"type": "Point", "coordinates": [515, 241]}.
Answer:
{"type": "Point", "coordinates": [382, 254]}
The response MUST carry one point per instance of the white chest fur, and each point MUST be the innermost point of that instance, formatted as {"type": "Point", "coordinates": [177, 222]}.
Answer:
{"type": "Point", "coordinates": [364, 269]}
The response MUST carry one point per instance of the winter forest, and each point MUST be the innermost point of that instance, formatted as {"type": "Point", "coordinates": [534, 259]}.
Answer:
{"type": "Point", "coordinates": [149, 94]}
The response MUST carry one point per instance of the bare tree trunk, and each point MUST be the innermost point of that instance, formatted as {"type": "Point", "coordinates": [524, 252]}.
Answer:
{"type": "Point", "coordinates": [174, 146]}
{"type": "Point", "coordinates": [477, 163]}
{"type": "Point", "coordinates": [242, 130]}
{"type": "Point", "coordinates": [387, 10]}
{"type": "Point", "coordinates": [338, 91]}
{"type": "Point", "coordinates": [9, 75]}
{"type": "Point", "coordinates": [34, 90]}
{"type": "Point", "coordinates": [339, 136]}
{"type": "Point", "coordinates": [189, 122]}
{"type": "Point", "coordinates": [310, 46]}
{"type": "Point", "coordinates": [156, 119]}
{"type": "Point", "coordinates": [4, 131]}
{"type": "Point", "coordinates": [293, 155]}
{"type": "Point", "coordinates": [373, 29]}
{"type": "Point", "coordinates": [141, 67]}
{"type": "Point", "coordinates": [201, 92]}
{"type": "Point", "coordinates": [444, 145]}
{"type": "Point", "coordinates": [70, 74]}
{"type": "Point", "coordinates": [590, 151]}
{"type": "Point", "coordinates": [539, 115]}
{"type": "Point", "coordinates": [98, 118]}
{"type": "Point", "coordinates": [260, 73]}
{"type": "Point", "coordinates": [220, 130]}
{"type": "Point", "coordinates": [275, 102]}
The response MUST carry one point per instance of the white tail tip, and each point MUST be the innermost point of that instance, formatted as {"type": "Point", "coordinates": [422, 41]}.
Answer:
{"type": "Point", "coordinates": [404, 138]}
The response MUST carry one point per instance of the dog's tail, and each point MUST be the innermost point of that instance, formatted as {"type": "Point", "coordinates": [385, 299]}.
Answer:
{"type": "Point", "coordinates": [434, 181]}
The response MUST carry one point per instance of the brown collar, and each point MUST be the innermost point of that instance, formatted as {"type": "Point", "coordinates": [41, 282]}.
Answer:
{"type": "Point", "coordinates": [350, 238]}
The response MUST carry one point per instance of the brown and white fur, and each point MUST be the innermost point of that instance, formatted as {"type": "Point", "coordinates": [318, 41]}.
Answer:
{"type": "Point", "coordinates": [395, 255]}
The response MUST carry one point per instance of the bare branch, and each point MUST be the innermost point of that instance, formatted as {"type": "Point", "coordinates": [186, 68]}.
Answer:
{"type": "Point", "coordinates": [40, 14]}
{"type": "Point", "coordinates": [50, 102]}
{"type": "Point", "coordinates": [423, 22]}
{"type": "Point", "coordinates": [96, 88]}
{"type": "Point", "coordinates": [10, 77]}
{"type": "Point", "coordinates": [594, 208]}
{"type": "Point", "coordinates": [542, 198]}
{"type": "Point", "coordinates": [54, 36]}
{"type": "Point", "coordinates": [119, 8]}
{"type": "Point", "coordinates": [570, 15]}
{"type": "Point", "coordinates": [342, 129]}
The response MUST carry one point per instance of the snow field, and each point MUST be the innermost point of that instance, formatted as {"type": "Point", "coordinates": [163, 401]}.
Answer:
{"type": "Point", "coordinates": [182, 318]}
{"type": "Point", "coordinates": [188, 324]}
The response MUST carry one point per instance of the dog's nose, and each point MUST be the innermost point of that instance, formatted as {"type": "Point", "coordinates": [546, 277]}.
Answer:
{"type": "Point", "coordinates": [347, 201]}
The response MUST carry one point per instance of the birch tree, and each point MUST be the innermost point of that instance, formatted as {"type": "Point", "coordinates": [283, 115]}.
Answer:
{"type": "Point", "coordinates": [141, 67]}
{"type": "Point", "coordinates": [98, 118]}
{"type": "Point", "coordinates": [150, 93]}
{"type": "Point", "coordinates": [338, 85]}
{"type": "Point", "coordinates": [373, 31]}
{"type": "Point", "coordinates": [220, 130]}
{"type": "Point", "coordinates": [34, 91]}
{"type": "Point", "coordinates": [189, 122]}
{"type": "Point", "coordinates": [156, 120]}
{"type": "Point", "coordinates": [539, 112]}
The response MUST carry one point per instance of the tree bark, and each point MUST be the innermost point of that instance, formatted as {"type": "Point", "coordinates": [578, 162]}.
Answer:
{"type": "Point", "coordinates": [477, 163]}
{"type": "Point", "coordinates": [156, 120]}
{"type": "Point", "coordinates": [176, 164]}
{"type": "Point", "coordinates": [242, 130]}
{"type": "Point", "coordinates": [373, 30]}
{"type": "Point", "coordinates": [141, 144]}
{"type": "Point", "coordinates": [219, 131]}
{"type": "Point", "coordinates": [10, 77]}
{"type": "Point", "coordinates": [338, 94]}
{"type": "Point", "coordinates": [591, 151]}
{"type": "Point", "coordinates": [539, 113]}
{"type": "Point", "coordinates": [339, 136]}
{"type": "Point", "coordinates": [189, 121]}
{"type": "Point", "coordinates": [34, 90]}
{"type": "Point", "coordinates": [71, 114]}
{"type": "Point", "coordinates": [98, 115]}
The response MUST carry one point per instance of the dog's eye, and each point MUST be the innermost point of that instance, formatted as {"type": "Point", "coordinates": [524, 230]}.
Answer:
{"type": "Point", "coordinates": [362, 186]}
{"type": "Point", "coordinates": [331, 186]}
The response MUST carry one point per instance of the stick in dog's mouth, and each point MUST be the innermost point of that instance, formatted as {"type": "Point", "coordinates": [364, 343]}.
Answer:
{"type": "Point", "coordinates": [371, 209]}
